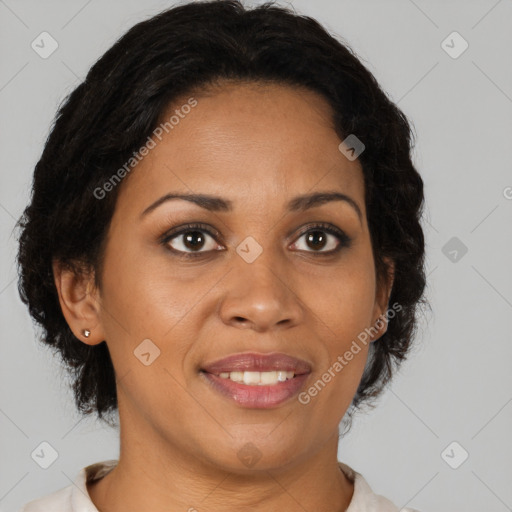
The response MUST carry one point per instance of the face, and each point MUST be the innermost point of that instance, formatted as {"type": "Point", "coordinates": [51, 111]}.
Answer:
{"type": "Point", "coordinates": [258, 273]}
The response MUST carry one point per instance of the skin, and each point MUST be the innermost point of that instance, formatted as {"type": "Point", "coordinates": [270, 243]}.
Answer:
{"type": "Point", "coordinates": [258, 146]}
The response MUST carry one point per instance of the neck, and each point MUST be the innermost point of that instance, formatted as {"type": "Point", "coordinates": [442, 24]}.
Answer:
{"type": "Point", "coordinates": [160, 476]}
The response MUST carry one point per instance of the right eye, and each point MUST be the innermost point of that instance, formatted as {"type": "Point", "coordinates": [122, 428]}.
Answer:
{"type": "Point", "coordinates": [188, 240]}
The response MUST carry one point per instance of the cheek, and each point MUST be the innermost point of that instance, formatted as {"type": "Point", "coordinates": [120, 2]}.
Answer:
{"type": "Point", "coordinates": [342, 297]}
{"type": "Point", "coordinates": [144, 295]}
{"type": "Point", "coordinates": [150, 299]}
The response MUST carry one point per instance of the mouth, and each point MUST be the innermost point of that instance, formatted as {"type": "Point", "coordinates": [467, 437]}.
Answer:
{"type": "Point", "coordinates": [257, 380]}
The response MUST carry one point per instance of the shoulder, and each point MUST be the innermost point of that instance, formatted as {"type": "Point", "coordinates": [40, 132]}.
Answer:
{"type": "Point", "coordinates": [74, 497]}
{"type": "Point", "coordinates": [58, 501]}
{"type": "Point", "coordinates": [364, 499]}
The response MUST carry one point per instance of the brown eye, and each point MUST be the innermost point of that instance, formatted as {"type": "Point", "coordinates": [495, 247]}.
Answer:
{"type": "Point", "coordinates": [191, 240]}
{"type": "Point", "coordinates": [316, 239]}
{"type": "Point", "coordinates": [323, 239]}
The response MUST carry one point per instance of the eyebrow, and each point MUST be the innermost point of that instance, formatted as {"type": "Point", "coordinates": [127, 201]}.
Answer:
{"type": "Point", "coordinates": [218, 204]}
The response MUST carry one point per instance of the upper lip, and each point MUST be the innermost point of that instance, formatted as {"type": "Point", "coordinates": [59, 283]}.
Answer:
{"type": "Point", "coordinates": [258, 362]}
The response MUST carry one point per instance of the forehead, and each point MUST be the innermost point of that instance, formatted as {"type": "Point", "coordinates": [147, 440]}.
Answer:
{"type": "Point", "coordinates": [253, 143]}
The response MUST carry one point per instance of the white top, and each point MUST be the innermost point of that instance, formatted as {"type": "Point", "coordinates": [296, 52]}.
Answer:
{"type": "Point", "coordinates": [75, 498]}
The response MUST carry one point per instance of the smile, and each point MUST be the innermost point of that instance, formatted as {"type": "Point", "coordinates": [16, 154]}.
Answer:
{"type": "Point", "coordinates": [257, 380]}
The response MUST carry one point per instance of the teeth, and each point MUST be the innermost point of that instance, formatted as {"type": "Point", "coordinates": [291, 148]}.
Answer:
{"type": "Point", "coordinates": [258, 378]}
{"type": "Point", "coordinates": [251, 378]}
{"type": "Point", "coordinates": [268, 377]}
{"type": "Point", "coordinates": [237, 376]}
{"type": "Point", "coordinates": [281, 376]}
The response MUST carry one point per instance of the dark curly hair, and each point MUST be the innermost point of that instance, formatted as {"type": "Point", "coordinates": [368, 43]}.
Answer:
{"type": "Point", "coordinates": [187, 48]}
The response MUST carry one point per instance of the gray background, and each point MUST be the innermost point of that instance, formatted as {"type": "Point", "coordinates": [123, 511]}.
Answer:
{"type": "Point", "coordinates": [457, 385]}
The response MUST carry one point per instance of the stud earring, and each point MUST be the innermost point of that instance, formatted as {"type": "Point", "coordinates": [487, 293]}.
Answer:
{"type": "Point", "coordinates": [86, 332]}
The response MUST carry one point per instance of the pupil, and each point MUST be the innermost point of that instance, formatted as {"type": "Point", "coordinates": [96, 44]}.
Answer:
{"type": "Point", "coordinates": [189, 239]}
{"type": "Point", "coordinates": [317, 237]}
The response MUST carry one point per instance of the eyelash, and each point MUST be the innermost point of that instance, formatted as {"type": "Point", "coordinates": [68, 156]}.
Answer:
{"type": "Point", "coordinates": [343, 238]}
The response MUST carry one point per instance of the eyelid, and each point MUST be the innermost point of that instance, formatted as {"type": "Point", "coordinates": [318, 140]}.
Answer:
{"type": "Point", "coordinates": [191, 226]}
{"type": "Point", "coordinates": [325, 226]}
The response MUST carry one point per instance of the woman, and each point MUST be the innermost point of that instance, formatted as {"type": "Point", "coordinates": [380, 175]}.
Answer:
{"type": "Point", "coordinates": [224, 245]}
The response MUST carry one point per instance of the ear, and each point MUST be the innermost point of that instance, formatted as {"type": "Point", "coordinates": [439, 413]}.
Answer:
{"type": "Point", "coordinates": [79, 301]}
{"type": "Point", "coordinates": [384, 287]}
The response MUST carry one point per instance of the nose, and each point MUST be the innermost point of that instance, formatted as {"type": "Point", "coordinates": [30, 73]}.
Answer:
{"type": "Point", "coordinates": [260, 296]}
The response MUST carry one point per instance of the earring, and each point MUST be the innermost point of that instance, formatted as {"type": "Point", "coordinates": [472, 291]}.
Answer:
{"type": "Point", "coordinates": [86, 332]}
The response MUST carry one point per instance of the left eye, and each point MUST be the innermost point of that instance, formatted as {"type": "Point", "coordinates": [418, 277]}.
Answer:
{"type": "Point", "coordinates": [322, 239]}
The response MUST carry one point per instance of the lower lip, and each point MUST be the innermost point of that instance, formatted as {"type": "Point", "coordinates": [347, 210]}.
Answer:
{"type": "Point", "coordinates": [257, 396]}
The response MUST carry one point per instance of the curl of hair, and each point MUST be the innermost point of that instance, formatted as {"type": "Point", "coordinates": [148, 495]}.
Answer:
{"type": "Point", "coordinates": [181, 51]}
